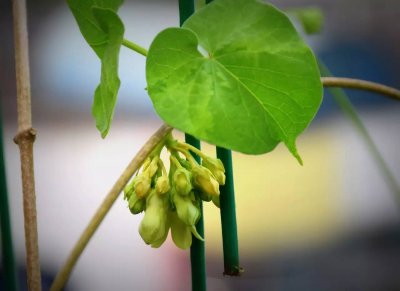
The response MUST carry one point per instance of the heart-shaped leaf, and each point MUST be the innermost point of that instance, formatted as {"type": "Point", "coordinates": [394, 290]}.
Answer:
{"type": "Point", "coordinates": [256, 85]}
{"type": "Point", "coordinates": [103, 30]}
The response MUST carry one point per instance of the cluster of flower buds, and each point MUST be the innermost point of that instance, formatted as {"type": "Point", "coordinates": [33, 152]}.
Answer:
{"type": "Point", "coordinates": [172, 200]}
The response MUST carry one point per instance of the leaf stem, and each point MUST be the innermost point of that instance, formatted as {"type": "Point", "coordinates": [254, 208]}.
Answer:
{"type": "Point", "coordinates": [344, 103]}
{"type": "Point", "coordinates": [362, 85]}
{"type": "Point", "coordinates": [157, 138]}
{"type": "Point", "coordinates": [25, 139]}
{"type": "Point", "coordinates": [135, 47]}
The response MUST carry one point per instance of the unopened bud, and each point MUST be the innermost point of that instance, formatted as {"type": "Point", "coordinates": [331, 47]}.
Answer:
{"type": "Point", "coordinates": [182, 181]}
{"type": "Point", "coordinates": [162, 185]}
{"type": "Point", "coordinates": [181, 233]}
{"type": "Point", "coordinates": [205, 181]}
{"type": "Point", "coordinates": [186, 210]}
{"type": "Point", "coordinates": [136, 205]}
{"type": "Point", "coordinates": [129, 189]}
{"type": "Point", "coordinates": [142, 186]}
{"type": "Point", "coordinates": [216, 167]}
{"type": "Point", "coordinates": [152, 227]}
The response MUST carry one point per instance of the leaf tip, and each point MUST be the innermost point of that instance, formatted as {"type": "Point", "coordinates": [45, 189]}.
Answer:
{"type": "Point", "coordinates": [293, 149]}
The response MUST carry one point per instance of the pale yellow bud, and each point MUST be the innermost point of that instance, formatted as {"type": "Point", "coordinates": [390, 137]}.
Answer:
{"type": "Point", "coordinates": [205, 181]}
{"type": "Point", "coordinates": [182, 181]}
{"type": "Point", "coordinates": [162, 185]}
{"type": "Point", "coordinates": [152, 228]}
{"type": "Point", "coordinates": [142, 186]}
{"type": "Point", "coordinates": [216, 167]}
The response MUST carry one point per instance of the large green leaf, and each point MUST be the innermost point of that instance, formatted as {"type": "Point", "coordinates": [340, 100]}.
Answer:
{"type": "Point", "coordinates": [256, 85]}
{"type": "Point", "coordinates": [103, 30]}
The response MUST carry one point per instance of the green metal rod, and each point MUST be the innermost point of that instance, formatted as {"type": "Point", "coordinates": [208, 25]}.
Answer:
{"type": "Point", "coordinates": [10, 274]}
{"type": "Point", "coordinates": [197, 249]}
{"type": "Point", "coordinates": [228, 217]}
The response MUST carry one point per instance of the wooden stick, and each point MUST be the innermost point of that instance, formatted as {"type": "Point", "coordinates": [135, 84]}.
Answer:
{"type": "Point", "coordinates": [25, 138]}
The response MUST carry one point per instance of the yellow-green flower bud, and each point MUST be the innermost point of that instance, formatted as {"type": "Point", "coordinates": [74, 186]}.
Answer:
{"type": "Point", "coordinates": [136, 205]}
{"type": "Point", "coordinates": [129, 189]}
{"type": "Point", "coordinates": [159, 242]}
{"type": "Point", "coordinates": [181, 233]}
{"type": "Point", "coordinates": [216, 167]}
{"type": "Point", "coordinates": [186, 210]}
{"type": "Point", "coordinates": [142, 186]}
{"type": "Point", "coordinates": [205, 181]}
{"type": "Point", "coordinates": [153, 225]}
{"type": "Point", "coordinates": [182, 181]}
{"type": "Point", "coordinates": [162, 185]}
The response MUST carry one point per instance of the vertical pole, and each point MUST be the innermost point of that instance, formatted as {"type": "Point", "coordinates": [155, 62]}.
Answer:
{"type": "Point", "coordinates": [25, 138]}
{"type": "Point", "coordinates": [228, 217]}
{"type": "Point", "coordinates": [10, 275]}
{"type": "Point", "coordinates": [197, 250]}
{"type": "Point", "coordinates": [228, 214]}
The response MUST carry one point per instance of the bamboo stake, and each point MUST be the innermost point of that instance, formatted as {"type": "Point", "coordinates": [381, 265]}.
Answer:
{"type": "Point", "coordinates": [25, 139]}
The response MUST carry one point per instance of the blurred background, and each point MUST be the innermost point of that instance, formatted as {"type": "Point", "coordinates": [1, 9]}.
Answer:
{"type": "Point", "coordinates": [332, 224]}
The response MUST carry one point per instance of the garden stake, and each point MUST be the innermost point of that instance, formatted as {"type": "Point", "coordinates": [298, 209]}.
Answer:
{"type": "Point", "coordinates": [197, 249]}
{"type": "Point", "coordinates": [25, 138]}
{"type": "Point", "coordinates": [228, 214]}
{"type": "Point", "coordinates": [10, 275]}
{"type": "Point", "coordinates": [228, 217]}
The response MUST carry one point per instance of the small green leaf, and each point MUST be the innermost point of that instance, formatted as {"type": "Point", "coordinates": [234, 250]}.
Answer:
{"type": "Point", "coordinates": [310, 18]}
{"type": "Point", "coordinates": [103, 30]}
{"type": "Point", "coordinates": [91, 30]}
{"type": "Point", "coordinates": [258, 83]}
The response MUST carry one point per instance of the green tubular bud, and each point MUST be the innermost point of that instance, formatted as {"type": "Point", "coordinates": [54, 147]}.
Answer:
{"type": "Point", "coordinates": [205, 181]}
{"type": "Point", "coordinates": [152, 228]}
{"type": "Point", "coordinates": [215, 200]}
{"type": "Point", "coordinates": [182, 181]}
{"type": "Point", "coordinates": [162, 185]}
{"type": "Point", "coordinates": [181, 233]}
{"type": "Point", "coordinates": [158, 243]}
{"type": "Point", "coordinates": [187, 212]}
{"type": "Point", "coordinates": [136, 205]}
{"type": "Point", "coordinates": [129, 189]}
{"type": "Point", "coordinates": [142, 186]}
{"type": "Point", "coordinates": [216, 167]}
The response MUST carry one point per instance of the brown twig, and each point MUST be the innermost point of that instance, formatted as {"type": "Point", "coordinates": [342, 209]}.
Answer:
{"type": "Point", "coordinates": [25, 139]}
{"type": "Point", "coordinates": [361, 84]}
{"type": "Point", "coordinates": [101, 212]}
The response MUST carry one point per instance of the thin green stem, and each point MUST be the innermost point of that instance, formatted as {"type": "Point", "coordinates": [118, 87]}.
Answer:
{"type": "Point", "coordinates": [175, 161]}
{"type": "Point", "coordinates": [135, 47]}
{"type": "Point", "coordinates": [344, 103]}
{"type": "Point", "coordinates": [157, 138]}
{"type": "Point", "coordinates": [186, 146]}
